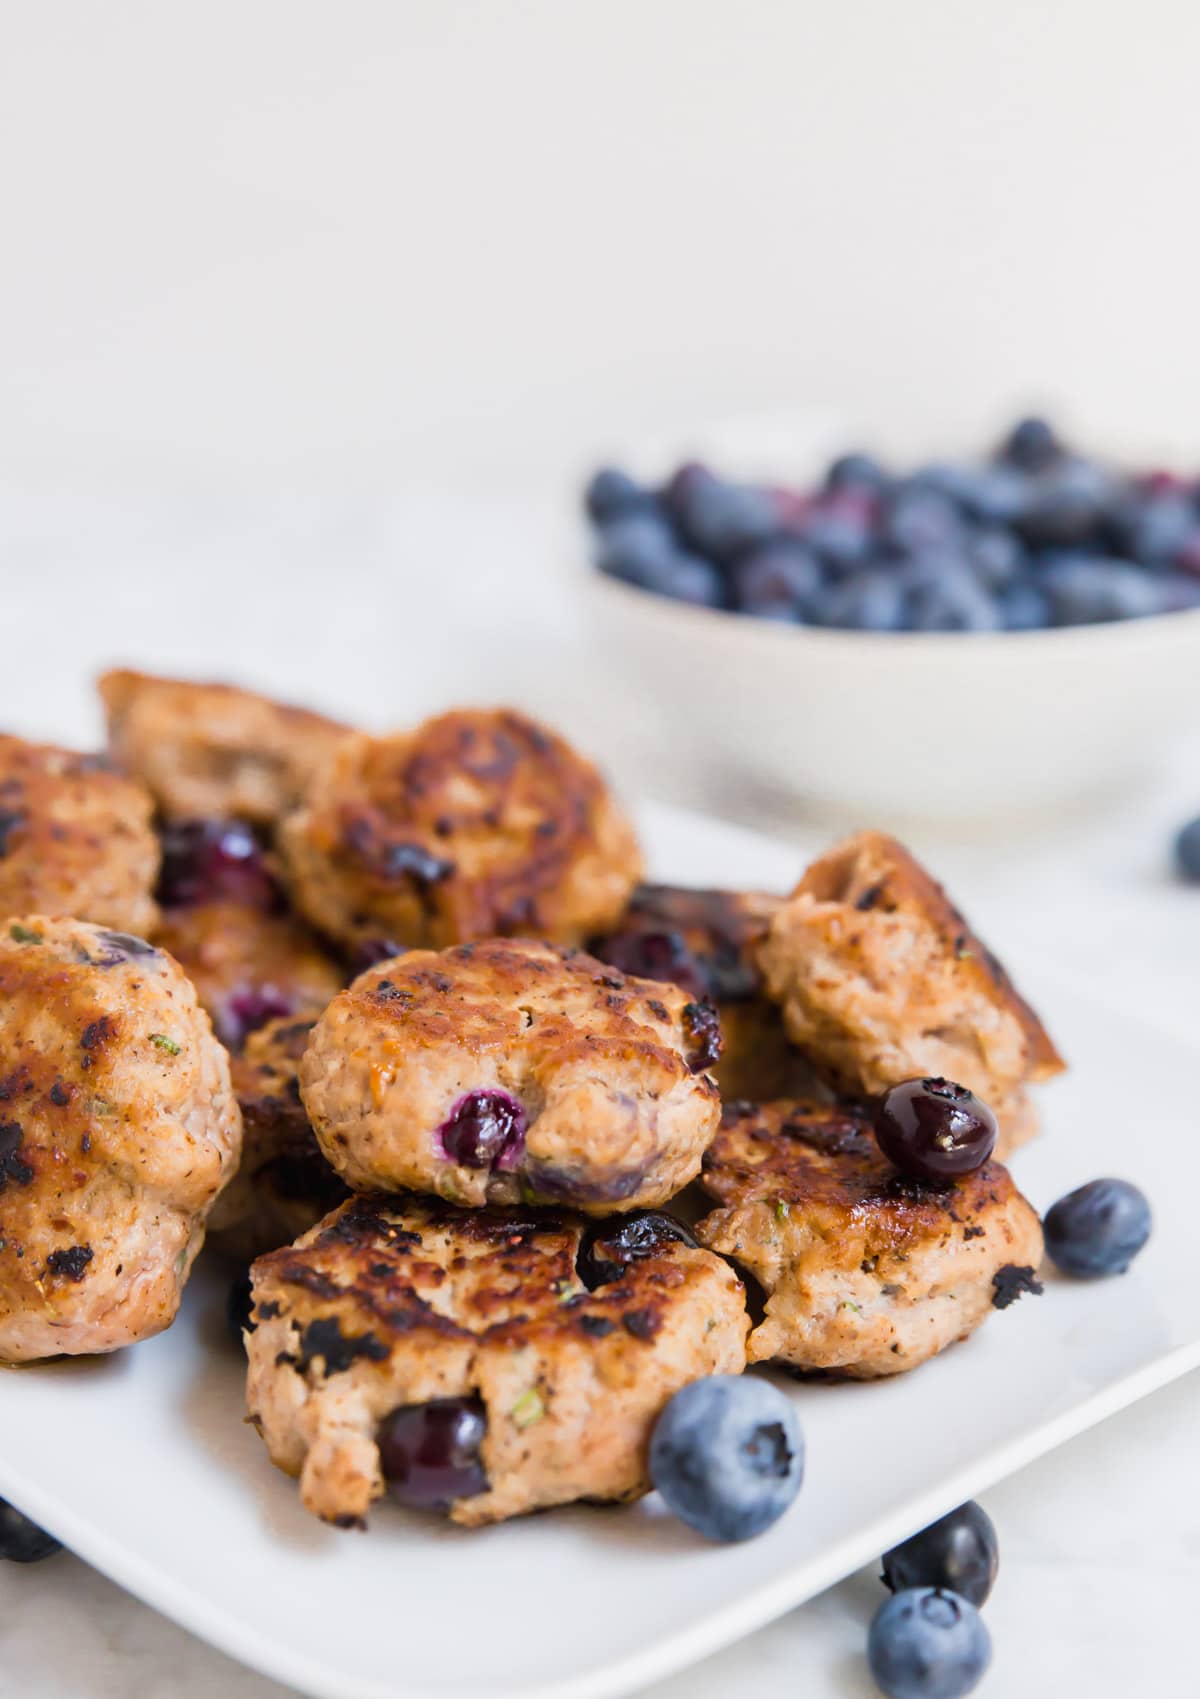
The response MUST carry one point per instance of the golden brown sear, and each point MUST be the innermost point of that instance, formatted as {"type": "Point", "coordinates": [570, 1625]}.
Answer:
{"type": "Point", "coordinates": [118, 1128]}
{"type": "Point", "coordinates": [75, 838]}
{"type": "Point", "coordinates": [495, 1071]}
{"type": "Point", "coordinates": [881, 979]}
{"type": "Point", "coordinates": [391, 1304]}
{"type": "Point", "coordinates": [867, 1273]}
{"type": "Point", "coordinates": [249, 964]}
{"type": "Point", "coordinates": [706, 941]}
{"type": "Point", "coordinates": [477, 824]}
{"type": "Point", "coordinates": [283, 1185]}
{"type": "Point", "coordinates": [209, 750]}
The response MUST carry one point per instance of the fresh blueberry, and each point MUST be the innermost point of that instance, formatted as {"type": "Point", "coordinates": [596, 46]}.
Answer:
{"type": "Point", "coordinates": [934, 1129]}
{"type": "Point", "coordinates": [959, 1552]}
{"type": "Point", "coordinates": [1153, 529]}
{"type": "Point", "coordinates": [954, 601]}
{"type": "Point", "coordinates": [776, 581]}
{"type": "Point", "coordinates": [1032, 445]}
{"type": "Point", "coordinates": [996, 556]}
{"type": "Point", "coordinates": [609, 1246]}
{"type": "Point", "coordinates": [1069, 505]}
{"type": "Point", "coordinates": [22, 1541]}
{"type": "Point", "coordinates": [920, 519]}
{"type": "Point", "coordinates": [1098, 1229]}
{"type": "Point", "coordinates": [429, 1454]}
{"type": "Point", "coordinates": [996, 495]}
{"type": "Point", "coordinates": [207, 860]}
{"type": "Point", "coordinates": [950, 479]}
{"type": "Point", "coordinates": [869, 601]}
{"type": "Point", "coordinates": [690, 578]}
{"type": "Point", "coordinates": [840, 526]}
{"type": "Point", "coordinates": [636, 548]}
{"type": "Point", "coordinates": [613, 494]}
{"type": "Point", "coordinates": [926, 1643]}
{"type": "Point", "coordinates": [1187, 851]}
{"type": "Point", "coordinates": [1024, 606]}
{"type": "Point", "coordinates": [856, 471]}
{"type": "Point", "coordinates": [1087, 590]}
{"type": "Point", "coordinates": [720, 519]}
{"type": "Point", "coordinates": [727, 1455]}
{"type": "Point", "coordinates": [239, 1307]}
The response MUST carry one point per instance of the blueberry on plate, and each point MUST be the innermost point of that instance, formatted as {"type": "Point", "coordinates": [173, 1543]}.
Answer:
{"type": "Point", "coordinates": [934, 1129]}
{"type": "Point", "coordinates": [1187, 851]}
{"type": "Point", "coordinates": [958, 1553]}
{"type": "Point", "coordinates": [727, 1455]}
{"type": "Point", "coordinates": [1098, 1229]}
{"type": "Point", "coordinates": [926, 1643]}
{"type": "Point", "coordinates": [22, 1541]}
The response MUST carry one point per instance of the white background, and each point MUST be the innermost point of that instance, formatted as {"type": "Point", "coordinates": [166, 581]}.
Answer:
{"type": "Point", "coordinates": [321, 309]}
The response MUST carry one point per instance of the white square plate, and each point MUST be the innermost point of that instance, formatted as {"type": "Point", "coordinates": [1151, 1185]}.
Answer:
{"type": "Point", "coordinates": [141, 1462]}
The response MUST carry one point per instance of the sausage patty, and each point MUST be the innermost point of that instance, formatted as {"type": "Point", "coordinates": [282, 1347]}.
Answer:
{"type": "Point", "coordinates": [75, 838]}
{"type": "Point", "coordinates": [498, 1071]}
{"type": "Point", "coordinates": [118, 1128]}
{"type": "Point", "coordinates": [396, 1304]}
{"type": "Point", "coordinates": [866, 1272]}
{"type": "Point", "coordinates": [476, 824]}
{"type": "Point", "coordinates": [881, 979]}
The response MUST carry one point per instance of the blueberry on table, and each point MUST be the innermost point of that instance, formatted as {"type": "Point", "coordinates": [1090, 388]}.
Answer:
{"type": "Point", "coordinates": [1187, 851]}
{"type": "Point", "coordinates": [959, 1553]}
{"type": "Point", "coordinates": [430, 1453]}
{"type": "Point", "coordinates": [1098, 1229]}
{"type": "Point", "coordinates": [934, 1129]}
{"type": "Point", "coordinates": [727, 1455]}
{"type": "Point", "coordinates": [926, 1643]}
{"type": "Point", "coordinates": [22, 1541]}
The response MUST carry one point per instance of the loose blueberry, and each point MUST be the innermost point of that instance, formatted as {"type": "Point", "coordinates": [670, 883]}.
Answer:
{"type": "Point", "coordinates": [205, 860]}
{"type": "Point", "coordinates": [934, 1129]}
{"type": "Point", "coordinates": [1098, 1229]}
{"type": "Point", "coordinates": [925, 1643]}
{"type": "Point", "coordinates": [485, 1129]}
{"type": "Point", "coordinates": [609, 1246]}
{"type": "Point", "coordinates": [239, 1306]}
{"type": "Point", "coordinates": [727, 1455]}
{"type": "Point", "coordinates": [776, 581]}
{"type": "Point", "coordinates": [430, 1453]}
{"type": "Point", "coordinates": [22, 1541]}
{"type": "Point", "coordinates": [611, 494]}
{"type": "Point", "coordinates": [959, 1552]}
{"type": "Point", "coordinates": [1187, 851]}
{"type": "Point", "coordinates": [1031, 445]}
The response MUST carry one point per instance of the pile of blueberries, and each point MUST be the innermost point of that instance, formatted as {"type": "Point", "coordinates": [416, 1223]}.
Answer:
{"type": "Point", "coordinates": [1036, 536]}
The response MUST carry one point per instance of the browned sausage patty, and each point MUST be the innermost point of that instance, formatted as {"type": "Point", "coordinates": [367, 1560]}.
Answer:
{"type": "Point", "coordinates": [509, 1069]}
{"type": "Point", "coordinates": [75, 838]}
{"type": "Point", "coordinates": [396, 1304]}
{"type": "Point", "coordinates": [478, 823]}
{"type": "Point", "coordinates": [212, 749]}
{"type": "Point", "coordinates": [118, 1127]}
{"type": "Point", "coordinates": [881, 979]}
{"type": "Point", "coordinates": [866, 1273]}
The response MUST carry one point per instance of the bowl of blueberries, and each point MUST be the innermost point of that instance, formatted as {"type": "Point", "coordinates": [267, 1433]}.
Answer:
{"type": "Point", "coordinates": [969, 639]}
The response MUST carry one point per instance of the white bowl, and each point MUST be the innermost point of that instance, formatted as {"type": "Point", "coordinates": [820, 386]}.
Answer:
{"type": "Point", "coordinates": [961, 727]}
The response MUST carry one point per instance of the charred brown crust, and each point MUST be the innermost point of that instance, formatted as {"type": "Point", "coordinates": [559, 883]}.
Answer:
{"type": "Point", "coordinates": [368, 1263]}
{"type": "Point", "coordinates": [477, 824]}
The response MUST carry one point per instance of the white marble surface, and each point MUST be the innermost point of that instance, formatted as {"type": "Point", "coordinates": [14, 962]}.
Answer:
{"type": "Point", "coordinates": [383, 608]}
